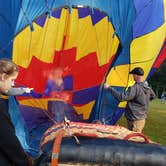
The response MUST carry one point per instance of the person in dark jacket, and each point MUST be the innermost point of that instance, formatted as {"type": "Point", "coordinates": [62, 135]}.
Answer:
{"type": "Point", "coordinates": [11, 151]}
{"type": "Point", "coordinates": [137, 97]}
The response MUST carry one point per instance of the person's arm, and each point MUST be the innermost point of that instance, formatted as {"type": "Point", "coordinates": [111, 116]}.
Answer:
{"type": "Point", "coordinates": [18, 91]}
{"type": "Point", "coordinates": [124, 96]}
{"type": "Point", "coordinates": [152, 94]}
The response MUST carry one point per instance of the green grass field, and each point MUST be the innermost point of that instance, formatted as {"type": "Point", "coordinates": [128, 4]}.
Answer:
{"type": "Point", "coordinates": [155, 127]}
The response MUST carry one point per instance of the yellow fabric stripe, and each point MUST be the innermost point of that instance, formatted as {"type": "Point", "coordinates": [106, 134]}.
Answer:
{"type": "Point", "coordinates": [122, 104]}
{"type": "Point", "coordinates": [118, 76]}
{"type": "Point", "coordinates": [38, 103]}
{"type": "Point", "coordinates": [87, 38]}
{"type": "Point", "coordinates": [72, 33]}
{"type": "Point", "coordinates": [3, 96]}
{"type": "Point", "coordinates": [80, 33]}
{"type": "Point", "coordinates": [53, 37]}
{"type": "Point", "coordinates": [61, 29]}
{"type": "Point", "coordinates": [21, 46]}
{"type": "Point", "coordinates": [107, 43]}
{"type": "Point", "coordinates": [165, 8]}
{"type": "Point", "coordinates": [85, 110]}
{"type": "Point", "coordinates": [42, 42]}
{"type": "Point", "coordinates": [86, 42]}
{"type": "Point", "coordinates": [145, 49]}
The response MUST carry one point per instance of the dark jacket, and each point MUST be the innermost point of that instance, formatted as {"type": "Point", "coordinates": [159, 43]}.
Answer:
{"type": "Point", "coordinates": [11, 151]}
{"type": "Point", "coordinates": [137, 97]}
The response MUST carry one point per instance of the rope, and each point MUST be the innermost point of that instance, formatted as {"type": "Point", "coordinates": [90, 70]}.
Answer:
{"type": "Point", "coordinates": [103, 97]}
{"type": "Point", "coordinates": [48, 8]}
{"type": "Point", "coordinates": [28, 20]}
{"type": "Point", "coordinates": [3, 49]}
{"type": "Point", "coordinates": [44, 37]}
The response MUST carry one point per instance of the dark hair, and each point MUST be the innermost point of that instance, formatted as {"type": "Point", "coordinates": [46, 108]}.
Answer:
{"type": "Point", "coordinates": [138, 71]}
{"type": "Point", "coordinates": [7, 66]}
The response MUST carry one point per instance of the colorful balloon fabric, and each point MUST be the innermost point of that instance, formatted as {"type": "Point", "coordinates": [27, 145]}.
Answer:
{"type": "Point", "coordinates": [66, 50]}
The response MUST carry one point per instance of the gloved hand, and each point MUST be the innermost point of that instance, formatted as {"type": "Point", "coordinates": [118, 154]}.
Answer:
{"type": "Point", "coordinates": [28, 90]}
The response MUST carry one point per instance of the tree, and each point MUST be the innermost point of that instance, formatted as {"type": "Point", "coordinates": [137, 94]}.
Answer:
{"type": "Point", "coordinates": [158, 80]}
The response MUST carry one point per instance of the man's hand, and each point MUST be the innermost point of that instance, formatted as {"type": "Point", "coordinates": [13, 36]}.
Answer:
{"type": "Point", "coordinates": [106, 86]}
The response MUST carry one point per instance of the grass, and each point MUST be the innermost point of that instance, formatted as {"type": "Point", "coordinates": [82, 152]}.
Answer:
{"type": "Point", "coordinates": [155, 127]}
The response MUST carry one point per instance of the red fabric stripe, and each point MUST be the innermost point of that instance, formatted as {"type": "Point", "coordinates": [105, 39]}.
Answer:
{"type": "Point", "coordinates": [161, 58]}
{"type": "Point", "coordinates": [86, 72]}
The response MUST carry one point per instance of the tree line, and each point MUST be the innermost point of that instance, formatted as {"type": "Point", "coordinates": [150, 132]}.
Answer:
{"type": "Point", "coordinates": [158, 80]}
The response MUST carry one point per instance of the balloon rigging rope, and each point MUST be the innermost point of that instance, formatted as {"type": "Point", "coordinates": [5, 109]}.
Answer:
{"type": "Point", "coordinates": [103, 97]}
{"type": "Point", "coordinates": [29, 48]}
{"type": "Point", "coordinates": [6, 46]}
{"type": "Point", "coordinates": [44, 39]}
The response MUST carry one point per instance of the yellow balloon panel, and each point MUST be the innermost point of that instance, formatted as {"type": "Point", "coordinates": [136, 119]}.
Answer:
{"type": "Point", "coordinates": [147, 47]}
{"type": "Point", "coordinates": [165, 8]}
{"type": "Point", "coordinates": [86, 42]}
{"type": "Point", "coordinates": [145, 65]}
{"type": "Point", "coordinates": [85, 110]}
{"type": "Point", "coordinates": [38, 103]}
{"type": "Point", "coordinates": [22, 45]}
{"type": "Point", "coordinates": [65, 33]}
{"type": "Point", "coordinates": [107, 43]}
{"type": "Point", "coordinates": [42, 42]}
{"type": "Point", "coordinates": [122, 104]}
{"type": "Point", "coordinates": [118, 76]}
{"type": "Point", "coordinates": [72, 30]}
{"type": "Point", "coordinates": [87, 37]}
